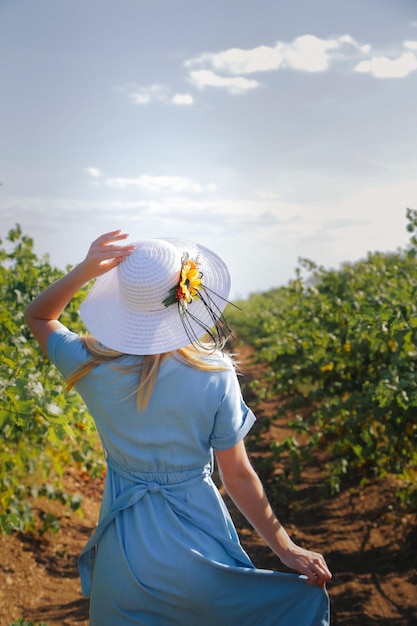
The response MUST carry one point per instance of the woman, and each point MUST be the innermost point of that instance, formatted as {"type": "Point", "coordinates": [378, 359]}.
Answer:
{"type": "Point", "coordinates": [165, 551]}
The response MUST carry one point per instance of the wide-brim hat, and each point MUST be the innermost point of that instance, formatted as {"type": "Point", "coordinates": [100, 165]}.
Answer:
{"type": "Point", "coordinates": [125, 309]}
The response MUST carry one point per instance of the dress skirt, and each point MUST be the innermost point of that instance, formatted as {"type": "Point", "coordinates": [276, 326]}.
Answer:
{"type": "Point", "coordinates": [166, 553]}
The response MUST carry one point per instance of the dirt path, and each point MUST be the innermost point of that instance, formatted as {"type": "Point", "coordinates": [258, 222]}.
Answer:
{"type": "Point", "coordinates": [369, 543]}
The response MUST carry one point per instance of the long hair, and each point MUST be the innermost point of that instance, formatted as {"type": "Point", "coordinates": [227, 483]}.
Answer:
{"type": "Point", "coordinates": [148, 369]}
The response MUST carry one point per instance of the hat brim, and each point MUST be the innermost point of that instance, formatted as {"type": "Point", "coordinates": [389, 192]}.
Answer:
{"type": "Point", "coordinates": [162, 330]}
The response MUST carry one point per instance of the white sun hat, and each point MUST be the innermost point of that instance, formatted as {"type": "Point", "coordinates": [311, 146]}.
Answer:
{"type": "Point", "coordinates": [126, 308]}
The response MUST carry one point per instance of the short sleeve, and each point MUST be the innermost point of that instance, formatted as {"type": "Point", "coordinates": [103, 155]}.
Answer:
{"type": "Point", "coordinates": [66, 350]}
{"type": "Point", "coordinates": [233, 419]}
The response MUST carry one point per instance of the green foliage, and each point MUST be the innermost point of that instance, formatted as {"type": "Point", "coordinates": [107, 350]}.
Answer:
{"type": "Point", "coordinates": [342, 351]}
{"type": "Point", "coordinates": [24, 622]}
{"type": "Point", "coordinates": [42, 429]}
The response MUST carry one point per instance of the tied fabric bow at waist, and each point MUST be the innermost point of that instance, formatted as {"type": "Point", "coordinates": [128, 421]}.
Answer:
{"type": "Point", "coordinates": [131, 496]}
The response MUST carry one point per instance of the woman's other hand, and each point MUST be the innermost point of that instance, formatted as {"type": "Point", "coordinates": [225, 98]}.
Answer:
{"type": "Point", "coordinates": [310, 564]}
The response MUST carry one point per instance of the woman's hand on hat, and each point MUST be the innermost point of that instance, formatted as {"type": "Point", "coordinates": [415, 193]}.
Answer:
{"type": "Point", "coordinates": [43, 312]}
{"type": "Point", "coordinates": [105, 253]}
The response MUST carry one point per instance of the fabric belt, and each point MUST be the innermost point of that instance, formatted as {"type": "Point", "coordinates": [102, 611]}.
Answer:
{"type": "Point", "coordinates": [133, 494]}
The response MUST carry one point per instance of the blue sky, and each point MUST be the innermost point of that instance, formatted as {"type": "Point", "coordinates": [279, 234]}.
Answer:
{"type": "Point", "coordinates": [266, 130]}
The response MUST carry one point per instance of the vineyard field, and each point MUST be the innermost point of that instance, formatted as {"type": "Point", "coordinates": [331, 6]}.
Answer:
{"type": "Point", "coordinates": [328, 365]}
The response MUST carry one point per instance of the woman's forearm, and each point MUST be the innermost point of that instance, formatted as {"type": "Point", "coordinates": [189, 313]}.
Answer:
{"type": "Point", "coordinates": [249, 496]}
{"type": "Point", "coordinates": [245, 488]}
{"type": "Point", "coordinates": [43, 312]}
{"type": "Point", "coordinates": [51, 302]}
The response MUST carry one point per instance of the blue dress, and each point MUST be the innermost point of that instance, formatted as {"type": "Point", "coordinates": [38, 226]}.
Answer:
{"type": "Point", "coordinates": [165, 551]}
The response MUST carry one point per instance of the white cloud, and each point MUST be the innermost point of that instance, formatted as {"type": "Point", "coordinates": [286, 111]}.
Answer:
{"type": "Point", "coordinates": [228, 69]}
{"type": "Point", "coordinates": [306, 53]}
{"type": "Point", "coordinates": [146, 95]}
{"type": "Point", "coordinates": [182, 99]}
{"type": "Point", "coordinates": [309, 53]}
{"type": "Point", "coordinates": [383, 67]}
{"type": "Point", "coordinates": [207, 78]}
{"type": "Point", "coordinates": [158, 184]}
{"type": "Point", "coordinates": [140, 97]}
{"type": "Point", "coordinates": [238, 61]}
{"type": "Point", "coordinates": [94, 172]}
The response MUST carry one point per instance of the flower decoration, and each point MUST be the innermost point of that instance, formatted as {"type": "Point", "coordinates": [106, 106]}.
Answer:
{"type": "Point", "coordinates": [189, 286]}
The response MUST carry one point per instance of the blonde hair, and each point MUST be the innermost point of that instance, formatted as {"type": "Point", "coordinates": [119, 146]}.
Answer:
{"type": "Point", "coordinates": [148, 368]}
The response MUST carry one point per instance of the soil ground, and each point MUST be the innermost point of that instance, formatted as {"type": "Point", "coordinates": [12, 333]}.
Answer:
{"type": "Point", "coordinates": [369, 542]}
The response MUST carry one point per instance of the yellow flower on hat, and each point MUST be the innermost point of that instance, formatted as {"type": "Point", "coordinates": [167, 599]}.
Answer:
{"type": "Point", "coordinates": [190, 281]}
{"type": "Point", "coordinates": [189, 285]}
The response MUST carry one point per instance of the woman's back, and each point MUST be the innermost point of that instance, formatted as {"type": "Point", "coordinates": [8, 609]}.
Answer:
{"type": "Point", "coordinates": [189, 413]}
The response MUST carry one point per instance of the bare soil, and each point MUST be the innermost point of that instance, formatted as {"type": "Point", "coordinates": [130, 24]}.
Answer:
{"type": "Point", "coordinates": [370, 544]}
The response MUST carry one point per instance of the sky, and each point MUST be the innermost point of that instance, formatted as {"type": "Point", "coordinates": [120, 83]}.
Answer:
{"type": "Point", "coordinates": [267, 130]}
